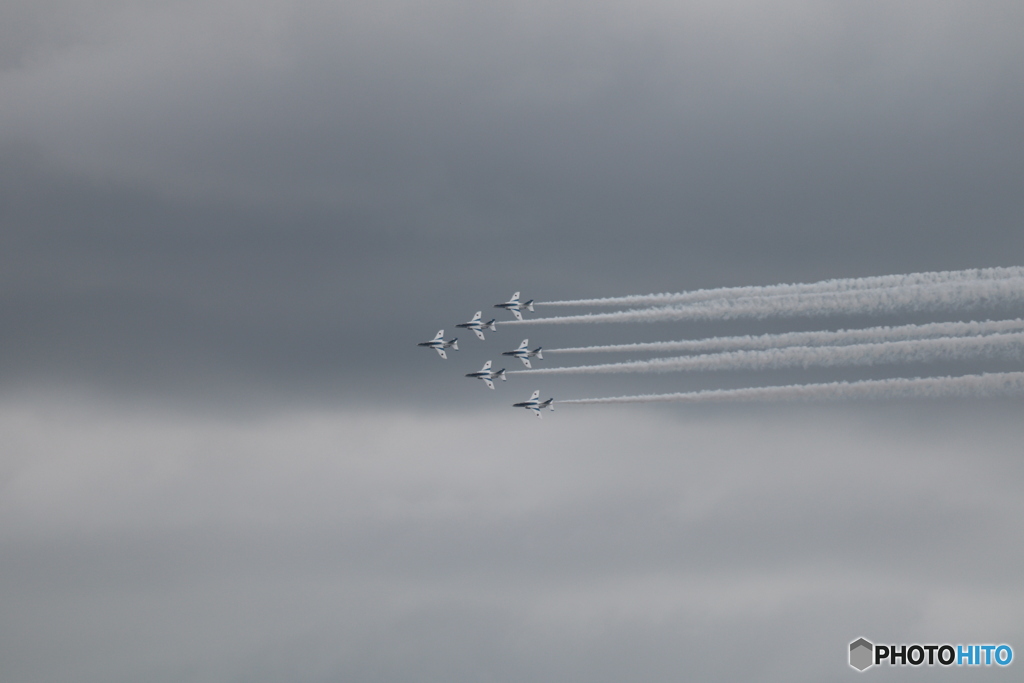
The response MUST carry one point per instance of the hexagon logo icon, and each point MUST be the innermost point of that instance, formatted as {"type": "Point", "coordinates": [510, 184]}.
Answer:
{"type": "Point", "coordinates": [861, 652]}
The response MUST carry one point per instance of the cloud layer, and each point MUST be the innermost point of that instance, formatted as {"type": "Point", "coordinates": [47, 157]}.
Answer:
{"type": "Point", "coordinates": [370, 546]}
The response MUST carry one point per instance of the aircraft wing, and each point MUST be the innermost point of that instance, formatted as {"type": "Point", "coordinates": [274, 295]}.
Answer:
{"type": "Point", "coordinates": [441, 353]}
{"type": "Point", "coordinates": [440, 333]}
{"type": "Point", "coordinates": [487, 366]}
{"type": "Point", "coordinates": [537, 413]}
{"type": "Point", "coordinates": [526, 362]}
{"type": "Point", "coordinates": [526, 342]}
{"type": "Point", "coordinates": [479, 333]}
{"type": "Point", "coordinates": [489, 383]}
{"type": "Point", "coordinates": [535, 395]}
{"type": "Point", "coordinates": [516, 313]}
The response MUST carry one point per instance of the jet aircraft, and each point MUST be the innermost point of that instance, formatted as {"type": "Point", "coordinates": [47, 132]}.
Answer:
{"type": "Point", "coordinates": [439, 344]}
{"type": "Point", "coordinates": [486, 374]}
{"type": "Point", "coordinates": [524, 354]}
{"type": "Point", "coordinates": [477, 326]}
{"type": "Point", "coordinates": [536, 406]}
{"type": "Point", "coordinates": [516, 307]}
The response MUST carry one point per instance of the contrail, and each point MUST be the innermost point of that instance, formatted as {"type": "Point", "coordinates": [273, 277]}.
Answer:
{"type": "Point", "coordinates": [826, 337]}
{"type": "Point", "coordinates": [1006, 345]}
{"type": "Point", "coordinates": [949, 295]}
{"type": "Point", "coordinates": [836, 285]}
{"type": "Point", "coordinates": [967, 386]}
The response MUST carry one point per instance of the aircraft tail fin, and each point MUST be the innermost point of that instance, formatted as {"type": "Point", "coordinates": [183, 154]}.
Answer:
{"type": "Point", "coordinates": [529, 305]}
{"type": "Point", "coordinates": [490, 324]}
{"type": "Point", "coordinates": [455, 343]}
{"type": "Point", "coordinates": [538, 353]}
{"type": "Point", "coordinates": [549, 404]}
{"type": "Point", "coordinates": [500, 374]}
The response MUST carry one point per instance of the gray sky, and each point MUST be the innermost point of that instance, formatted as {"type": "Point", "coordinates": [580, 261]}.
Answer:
{"type": "Point", "coordinates": [224, 225]}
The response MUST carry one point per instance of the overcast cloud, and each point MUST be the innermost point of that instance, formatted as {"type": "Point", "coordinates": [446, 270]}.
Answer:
{"type": "Point", "coordinates": [224, 226]}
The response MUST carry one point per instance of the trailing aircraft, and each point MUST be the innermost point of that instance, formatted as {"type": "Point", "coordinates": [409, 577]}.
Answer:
{"type": "Point", "coordinates": [486, 374]}
{"type": "Point", "coordinates": [516, 307]}
{"type": "Point", "coordinates": [439, 344]}
{"type": "Point", "coordinates": [524, 354]}
{"type": "Point", "coordinates": [477, 326]}
{"type": "Point", "coordinates": [536, 406]}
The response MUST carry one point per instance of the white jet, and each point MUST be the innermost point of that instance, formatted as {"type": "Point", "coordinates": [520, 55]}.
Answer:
{"type": "Point", "coordinates": [534, 405]}
{"type": "Point", "coordinates": [477, 326]}
{"type": "Point", "coordinates": [486, 374]}
{"type": "Point", "coordinates": [524, 354]}
{"type": "Point", "coordinates": [439, 344]}
{"type": "Point", "coordinates": [516, 307]}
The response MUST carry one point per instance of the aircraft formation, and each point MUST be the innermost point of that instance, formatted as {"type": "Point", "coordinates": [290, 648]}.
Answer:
{"type": "Point", "coordinates": [990, 290]}
{"type": "Point", "coordinates": [486, 373]}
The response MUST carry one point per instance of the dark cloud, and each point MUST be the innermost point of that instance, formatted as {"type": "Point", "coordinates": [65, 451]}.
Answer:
{"type": "Point", "coordinates": [271, 172]}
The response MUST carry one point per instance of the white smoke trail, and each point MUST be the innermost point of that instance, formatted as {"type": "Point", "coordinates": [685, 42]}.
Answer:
{"type": "Point", "coordinates": [816, 338]}
{"type": "Point", "coordinates": [967, 386]}
{"type": "Point", "coordinates": [1006, 345]}
{"type": "Point", "coordinates": [836, 285]}
{"type": "Point", "coordinates": [950, 295]}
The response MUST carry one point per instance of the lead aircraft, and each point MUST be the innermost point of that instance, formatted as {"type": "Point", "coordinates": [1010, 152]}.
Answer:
{"type": "Point", "coordinates": [524, 354]}
{"type": "Point", "coordinates": [477, 326]}
{"type": "Point", "coordinates": [516, 307]}
{"type": "Point", "coordinates": [439, 344]}
{"type": "Point", "coordinates": [486, 374]}
{"type": "Point", "coordinates": [536, 406]}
